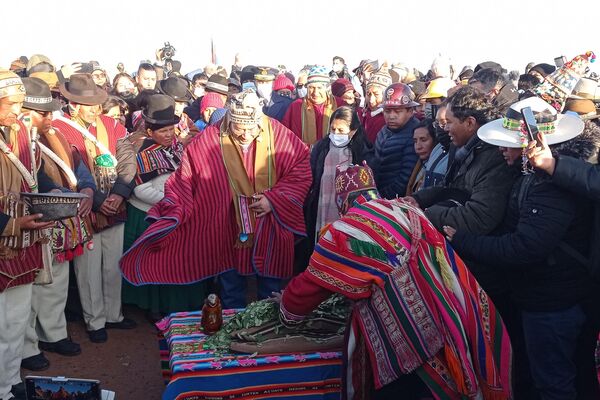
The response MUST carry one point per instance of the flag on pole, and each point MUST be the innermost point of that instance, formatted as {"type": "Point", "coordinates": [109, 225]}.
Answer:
{"type": "Point", "coordinates": [213, 52]}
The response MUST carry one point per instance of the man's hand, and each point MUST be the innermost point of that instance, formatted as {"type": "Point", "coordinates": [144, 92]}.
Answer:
{"type": "Point", "coordinates": [86, 204]}
{"type": "Point", "coordinates": [411, 200]}
{"type": "Point", "coordinates": [541, 157]}
{"type": "Point", "coordinates": [261, 206]}
{"type": "Point", "coordinates": [111, 205]}
{"type": "Point", "coordinates": [449, 231]}
{"type": "Point", "coordinates": [30, 222]}
{"type": "Point", "coordinates": [69, 70]}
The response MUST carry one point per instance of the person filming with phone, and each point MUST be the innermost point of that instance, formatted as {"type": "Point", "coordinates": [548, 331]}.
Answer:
{"type": "Point", "coordinates": [542, 244]}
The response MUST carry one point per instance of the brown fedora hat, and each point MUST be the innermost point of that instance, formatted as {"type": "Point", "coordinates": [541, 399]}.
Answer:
{"type": "Point", "coordinates": [81, 89]}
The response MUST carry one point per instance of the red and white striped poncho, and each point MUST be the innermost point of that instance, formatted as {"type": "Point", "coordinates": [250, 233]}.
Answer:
{"type": "Point", "coordinates": [194, 228]}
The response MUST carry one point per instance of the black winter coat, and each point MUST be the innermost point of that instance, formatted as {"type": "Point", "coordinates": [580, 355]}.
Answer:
{"type": "Point", "coordinates": [394, 159]}
{"type": "Point", "coordinates": [528, 252]}
{"type": "Point", "coordinates": [485, 181]}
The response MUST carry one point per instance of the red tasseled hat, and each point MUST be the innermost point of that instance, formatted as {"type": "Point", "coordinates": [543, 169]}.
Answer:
{"type": "Point", "coordinates": [283, 82]}
{"type": "Point", "coordinates": [211, 99]}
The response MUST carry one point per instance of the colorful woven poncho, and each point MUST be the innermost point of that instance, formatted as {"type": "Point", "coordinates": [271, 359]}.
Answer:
{"type": "Point", "coordinates": [418, 307]}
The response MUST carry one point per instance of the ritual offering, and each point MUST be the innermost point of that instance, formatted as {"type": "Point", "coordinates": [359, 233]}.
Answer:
{"type": "Point", "coordinates": [257, 329]}
{"type": "Point", "coordinates": [53, 206]}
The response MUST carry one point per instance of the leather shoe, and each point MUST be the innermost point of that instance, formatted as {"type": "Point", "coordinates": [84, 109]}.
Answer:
{"type": "Point", "coordinates": [35, 363]}
{"type": "Point", "coordinates": [18, 391]}
{"type": "Point", "coordinates": [98, 336]}
{"type": "Point", "coordinates": [126, 323]}
{"type": "Point", "coordinates": [64, 347]}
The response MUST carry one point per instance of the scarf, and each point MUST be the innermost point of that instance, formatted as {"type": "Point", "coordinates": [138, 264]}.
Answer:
{"type": "Point", "coordinates": [241, 186]}
{"type": "Point", "coordinates": [309, 124]}
{"type": "Point", "coordinates": [154, 159]}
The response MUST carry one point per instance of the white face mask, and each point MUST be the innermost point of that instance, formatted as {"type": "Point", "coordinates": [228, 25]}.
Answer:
{"type": "Point", "coordinates": [339, 140]}
{"type": "Point", "coordinates": [199, 92]}
{"type": "Point", "coordinates": [337, 67]}
{"type": "Point", "coordinates": [302, 92]}
{"type": "Point", "coordinates": [265, 90]}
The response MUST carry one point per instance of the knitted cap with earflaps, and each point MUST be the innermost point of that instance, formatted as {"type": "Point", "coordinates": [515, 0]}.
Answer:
{"type": "Point", "coordinates": [381, 77]}
{"type": "Point", "coordinates": [10, 84]}
{"type": "Point", "coordinates": [245, 108]}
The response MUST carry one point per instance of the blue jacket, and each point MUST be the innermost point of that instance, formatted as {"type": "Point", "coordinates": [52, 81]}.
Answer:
{"type": "Point", "coordinates": [394, 159]}
{"type": "Point", "coordinates": [278, 106]}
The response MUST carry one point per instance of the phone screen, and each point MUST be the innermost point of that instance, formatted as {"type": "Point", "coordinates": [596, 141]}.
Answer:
{"type": "Point", "coordinates": [530, 123]}
{"type": "Point", "coordinates": [43, 388]}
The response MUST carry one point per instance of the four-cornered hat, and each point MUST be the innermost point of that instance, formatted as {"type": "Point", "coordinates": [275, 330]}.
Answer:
{"type": "Point", "coordinates": [160, 110]}
{"type": "Point", "coordinates": [176, 88]}
{"type": "Point", "coordinates": [38, 96]}
{"type": "Point", "coordinates": [81, 89]}
{"type": "Point", "coordinates": [352, 179]}
{"type": "Point", "coordinates": [507, 131]}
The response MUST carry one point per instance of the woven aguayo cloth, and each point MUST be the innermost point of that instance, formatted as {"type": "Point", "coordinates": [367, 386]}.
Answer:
{"type": "Point", "coordinates": [196, 373]}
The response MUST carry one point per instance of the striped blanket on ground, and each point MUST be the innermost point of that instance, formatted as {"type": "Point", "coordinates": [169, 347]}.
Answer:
{"type": "Point", "coordinates": [418, 307]}
{"type": "Point", "coordinates": [195, 373]}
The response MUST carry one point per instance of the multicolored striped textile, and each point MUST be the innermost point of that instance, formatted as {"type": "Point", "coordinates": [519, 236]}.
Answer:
{"type": "Point", "coordinates": [196, 374]}
{"type": "Point", "coordinates": [194, 230]}
{"type": "Point", "coordinates": [418, 307]}
{"type": "Point", "coordinates": [154, 159]}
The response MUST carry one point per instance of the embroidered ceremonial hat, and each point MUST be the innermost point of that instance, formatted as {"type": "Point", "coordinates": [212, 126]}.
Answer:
{"type": "Point", "coordinates": [245, 108]}
{"type": "Point", "coordinates": [10, 84]}
{"type": "Point", "coordinates": [507, 131]}
{"type": "Point", "coordinates": [381, 77]}
{"type": "Point", "coordinates": [351, 179]}
{"type": "Point", "coordinates": [38, 96]}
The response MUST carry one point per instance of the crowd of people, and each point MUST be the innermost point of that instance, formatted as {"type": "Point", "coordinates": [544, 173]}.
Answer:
{"type": "Point", "coordinates": [467, 241]}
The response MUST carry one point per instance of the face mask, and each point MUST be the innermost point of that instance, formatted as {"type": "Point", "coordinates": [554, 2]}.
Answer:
{"type": "Point", "coordinates": [265, 91]}
{"type": "Point", "coordinates": [302, 92]}
{"type": "Point", "coordinates": [443, 137]}
{"type": "Point", "coordinates": [339, 140]}
{"type": "Point", "coordinates": [199, 92]}
{"type": "Point", "coordinates": [337, 67]}
{"type": "Point", "coordinates": [248, 85]}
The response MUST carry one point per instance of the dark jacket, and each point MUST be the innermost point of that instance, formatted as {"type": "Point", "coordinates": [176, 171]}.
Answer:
{"type": "Point", "coordinates": [193, 110]}
{"type": "Point", "coordinates": [541, 275]}
{"type": "Point", "coordinates": [581, 176]}
{"type": "Point", "coordinates": [394, 159]}
{"type": "Point", "coordinates": [277, 106]}
{"type": "Point", "coordinates": [361, 151]}
{"type": "Point", "coordinates": [482, 180]}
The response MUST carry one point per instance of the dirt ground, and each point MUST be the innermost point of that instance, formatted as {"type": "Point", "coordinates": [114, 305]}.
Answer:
{"type": "Point", "coordinates": [128, 363]}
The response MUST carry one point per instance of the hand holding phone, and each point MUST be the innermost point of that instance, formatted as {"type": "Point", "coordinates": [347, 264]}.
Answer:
{"type": "Point", "coordinates": [530, 125]}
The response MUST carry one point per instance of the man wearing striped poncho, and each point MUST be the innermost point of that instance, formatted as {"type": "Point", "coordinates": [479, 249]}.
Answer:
{"type": "Point", "coordinates": [418, 311]}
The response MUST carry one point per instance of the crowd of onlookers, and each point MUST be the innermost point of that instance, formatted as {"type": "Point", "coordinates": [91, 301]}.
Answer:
{"type": "Point", "coordinates": [522, 214]}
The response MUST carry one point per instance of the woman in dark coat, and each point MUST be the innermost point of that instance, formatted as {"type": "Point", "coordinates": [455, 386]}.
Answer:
{"type": "Point", "coordinates": [346, 144]}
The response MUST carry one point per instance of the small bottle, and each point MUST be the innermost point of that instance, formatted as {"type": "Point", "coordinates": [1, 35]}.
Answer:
{"type": "Point", "coordinates": [212, 316]}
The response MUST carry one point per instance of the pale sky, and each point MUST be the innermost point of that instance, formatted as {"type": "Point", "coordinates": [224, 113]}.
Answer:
{"type": "Point", "coordinates": [294, 33]}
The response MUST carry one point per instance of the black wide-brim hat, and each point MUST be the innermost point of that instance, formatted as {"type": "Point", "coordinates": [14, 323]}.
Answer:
{"type": "Point", "coordinates": [160, 110]}
{"type": "Point", "coordinates": [81, 89]}
{"type": "Point", "coordinates": [38, 96]}
{"type": "Point", "coordinates": [176, 88]}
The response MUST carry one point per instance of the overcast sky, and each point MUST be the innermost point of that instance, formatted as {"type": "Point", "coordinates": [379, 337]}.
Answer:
{"type": "Point", "coordinates": [294, 33]}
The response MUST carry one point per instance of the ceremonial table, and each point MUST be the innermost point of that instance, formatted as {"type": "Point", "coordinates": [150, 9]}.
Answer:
{"type": "Point", "coordinates": [193, 373]}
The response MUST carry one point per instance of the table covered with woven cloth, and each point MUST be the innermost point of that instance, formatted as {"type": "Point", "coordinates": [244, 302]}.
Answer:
{"type": "Point", "coordinates": [192, 373]}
